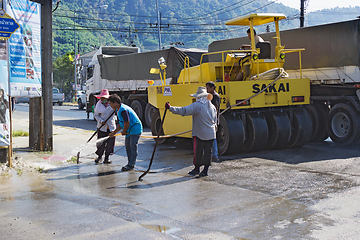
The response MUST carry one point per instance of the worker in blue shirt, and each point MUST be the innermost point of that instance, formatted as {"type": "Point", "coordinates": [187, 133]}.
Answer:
{"type": "Point", "coordinates": [131, 127]}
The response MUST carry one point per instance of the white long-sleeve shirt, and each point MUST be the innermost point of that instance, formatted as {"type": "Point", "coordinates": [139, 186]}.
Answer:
{"type": "Point", "coordinates": [101, 113]}
{"type": "Point", "coordinates": [203, 119]}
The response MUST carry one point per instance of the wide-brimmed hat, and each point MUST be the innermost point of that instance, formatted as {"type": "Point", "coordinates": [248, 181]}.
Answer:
{"type": "Point", "coordinates": [104, 93]}
{"type": "Point", "coordinates": [201, 92]}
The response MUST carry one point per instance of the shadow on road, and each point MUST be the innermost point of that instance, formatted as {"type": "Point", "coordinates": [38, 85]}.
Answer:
{"type": "Point", "coordinates": [76, 123]}
{"type": "Point", "coordinates": [139, 185]}
{"type": "Point", "coordinates": [311, 152]}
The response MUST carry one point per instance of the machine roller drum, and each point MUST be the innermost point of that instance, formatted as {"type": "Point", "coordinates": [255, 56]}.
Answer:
{"type": "Point", "coordinates": [302, 128]}
{"type": "Point", "coordinates": [279, 130]}
{"type": "Point", "coordinates": [149, 111]}
{"type": "Point", "coordinates": [155, 126]}
{"type": "Point", "coordinates": [256, 132]}
{"type": "Point", "coordinates": [230, 134]}
{"type": "Point", "coordinates": [322, 111]}
{"type": "Point", "coordinates": [344, 124]}
{"type": "Point", "coordinates": [319, 116]}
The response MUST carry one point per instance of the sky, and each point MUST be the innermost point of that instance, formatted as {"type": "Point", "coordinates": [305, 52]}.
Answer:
{"type": "Point", "coordinates": [315, 5]}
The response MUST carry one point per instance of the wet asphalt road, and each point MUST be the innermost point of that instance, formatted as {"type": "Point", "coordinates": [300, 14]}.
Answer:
{"type": "Point", "coordinates": [310, 192]}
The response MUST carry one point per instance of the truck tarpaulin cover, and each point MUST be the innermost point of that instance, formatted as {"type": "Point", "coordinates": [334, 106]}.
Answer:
{"type": "Point", "coordinates": [121, 68]}
{"type": "Point", "coordinates": [330, 45]}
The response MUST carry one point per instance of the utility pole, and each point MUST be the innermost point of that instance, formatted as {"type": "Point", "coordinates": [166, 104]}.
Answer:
{"type": "Point", "coordinates": [158, 22]}
{"type": "Point", "coordinates": [74, 47]}
{"type": "Point", "coordinates": [41, 109]}
{"type": "Point", "coordinates": [302, 11]}
{"type": "Point", "coordinates": [46, 83]}
{"type": "Point", "coordinates": [159, 26]}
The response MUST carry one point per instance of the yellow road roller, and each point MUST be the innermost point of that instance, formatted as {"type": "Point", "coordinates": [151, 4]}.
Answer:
{"type": "Point", "coordinates": [261, 108]}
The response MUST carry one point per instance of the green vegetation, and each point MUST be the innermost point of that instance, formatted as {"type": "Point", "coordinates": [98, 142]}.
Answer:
{"type": "Point", "coordinates": [40, 170]}
{"type": "Point", "coordinates": [20, 172]}
{"type": "Point", "coordinates": [72, 160]}
{"type": "Point", "coordinates": [20, 133]}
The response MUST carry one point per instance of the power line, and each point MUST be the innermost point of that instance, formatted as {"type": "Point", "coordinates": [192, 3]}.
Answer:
{"type": "Point", "coordinates": [334, 13]}
{"type": "Point", "coordinates": [200, 17]}
{"type": "Point", "coordinates": [79, 27]}
{"type": "Point", "coordinates": [225, 11]}
{"type": "Point", "coordinates": [121, 14]}
{"type": "Point", "coordinates": [140, 23]}
{"type": "Point", "coordinates": [138, 32]}
{"type": "Point", "coordinates": [250, 11]}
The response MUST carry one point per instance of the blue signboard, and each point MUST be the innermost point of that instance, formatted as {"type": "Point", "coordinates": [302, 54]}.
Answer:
{"type": "Point", "coordinates": [25, 49]}
{"type": "Point", "coordinates": [5, 35]}
{"type": "Point", "coordinates": [7, 25]}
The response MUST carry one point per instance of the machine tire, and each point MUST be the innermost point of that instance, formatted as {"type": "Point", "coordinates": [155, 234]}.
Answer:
{"type": "Point", "coordinates": [138, 108]}
{"type": "Point", "coordinates": [322, 112]}
{"type": "Point", "coordinates": [256, 132]}
{"type": "Point", "coordinates": [301, 128]}
{"type": "Point", "coordinates": [310, 109]}
{"type": "Point", "coordinates": [344, 124]}
{"type": "Point", "coordinates": [155, 125]}
{"type": "Point", "coordinates": [230, 134]}
{"type": "Point", "coordinates": [279, 126]}
{"type": "Point", "coordinates": [80, 104]}
{"type": "Point", "coordinates": [149, 111]}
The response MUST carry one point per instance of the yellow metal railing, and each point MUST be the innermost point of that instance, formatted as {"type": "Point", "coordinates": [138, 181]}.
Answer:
{"type": "Point", "coordinates": [222, 59]}
{"type": "Point", "coordinates": [186, 63]}
{"type": "Point", "coordinates": [281, 50]}
{"type": "Point", "coordinates": [295, 50]}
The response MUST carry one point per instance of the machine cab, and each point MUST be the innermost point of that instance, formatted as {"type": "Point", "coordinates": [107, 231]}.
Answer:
{"type": "Point", "coordinates": [257, 59]}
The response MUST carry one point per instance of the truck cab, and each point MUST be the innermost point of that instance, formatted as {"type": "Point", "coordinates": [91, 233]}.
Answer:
{"type": "Point", "coordinates": [94, 82]}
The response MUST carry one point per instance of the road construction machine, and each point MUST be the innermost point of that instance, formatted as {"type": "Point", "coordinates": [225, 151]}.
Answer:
{"type": "Point", "coordinates": [261, 106]}
{"type": "Point", "coordinates": [332, 63]}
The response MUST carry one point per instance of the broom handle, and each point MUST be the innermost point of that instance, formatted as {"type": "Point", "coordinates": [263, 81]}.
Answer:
{"type": "Point", "coordinates": [101, 126]}
{"type": "Point", "coordinates": [156, 143]}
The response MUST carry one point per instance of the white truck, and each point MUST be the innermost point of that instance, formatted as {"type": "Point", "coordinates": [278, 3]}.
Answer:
{"type": "Point", "coordinates": [126, 72]}
{"type": "Point", "coordinates": [58, 97]}
{"type": "Point", "coordinates": [80, 98]}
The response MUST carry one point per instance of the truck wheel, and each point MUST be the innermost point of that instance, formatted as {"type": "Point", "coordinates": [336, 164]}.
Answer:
{"type": "Point", "coordinates": [60, 103]}
{"type": "Point", "coordinates": [344, 124]}
{"type": "Point", "coordinates": [301, 128]}
{"type": "Point", "coordinates": [149, 111]}
{"type": "Point", "coordinates": [137, 107]}
{"type": "Point", "coordinates": [230, 134]}
{"type": "Point", "coordinates": [80, 104]}
{"type": "Point", "coordinates": [155, 127]}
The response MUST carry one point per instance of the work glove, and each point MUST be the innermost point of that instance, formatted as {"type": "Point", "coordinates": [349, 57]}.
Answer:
{"type": "Point", "coordinates": [167, 105]}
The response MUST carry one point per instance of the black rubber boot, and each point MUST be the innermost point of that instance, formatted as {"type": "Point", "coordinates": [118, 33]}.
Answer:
{"type": "Point", "coordinates": [106, 160]}
{"type": "Point", "coordinates": [98, 159]}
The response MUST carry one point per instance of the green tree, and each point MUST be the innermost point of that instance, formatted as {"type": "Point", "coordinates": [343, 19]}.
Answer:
{"type": "Point", "coordinates": [63, 70]}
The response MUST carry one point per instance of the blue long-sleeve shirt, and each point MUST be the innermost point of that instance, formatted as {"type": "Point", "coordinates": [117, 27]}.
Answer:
{"type": "Point", "coordinates": [203, 119]}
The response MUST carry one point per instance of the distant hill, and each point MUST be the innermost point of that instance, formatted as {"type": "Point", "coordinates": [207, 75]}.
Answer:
{"type": "Point", "coordinates": [186, 23]}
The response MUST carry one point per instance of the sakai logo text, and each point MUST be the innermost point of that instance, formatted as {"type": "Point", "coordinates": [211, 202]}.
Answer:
{"type": "Point", "coordinates": [272, 89]}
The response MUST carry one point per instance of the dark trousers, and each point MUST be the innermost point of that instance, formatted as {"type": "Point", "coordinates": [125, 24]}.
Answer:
{"type": "Point", "coordinates": [203, 152]}
{"type": "Point", "coordinates": [107, 146]}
